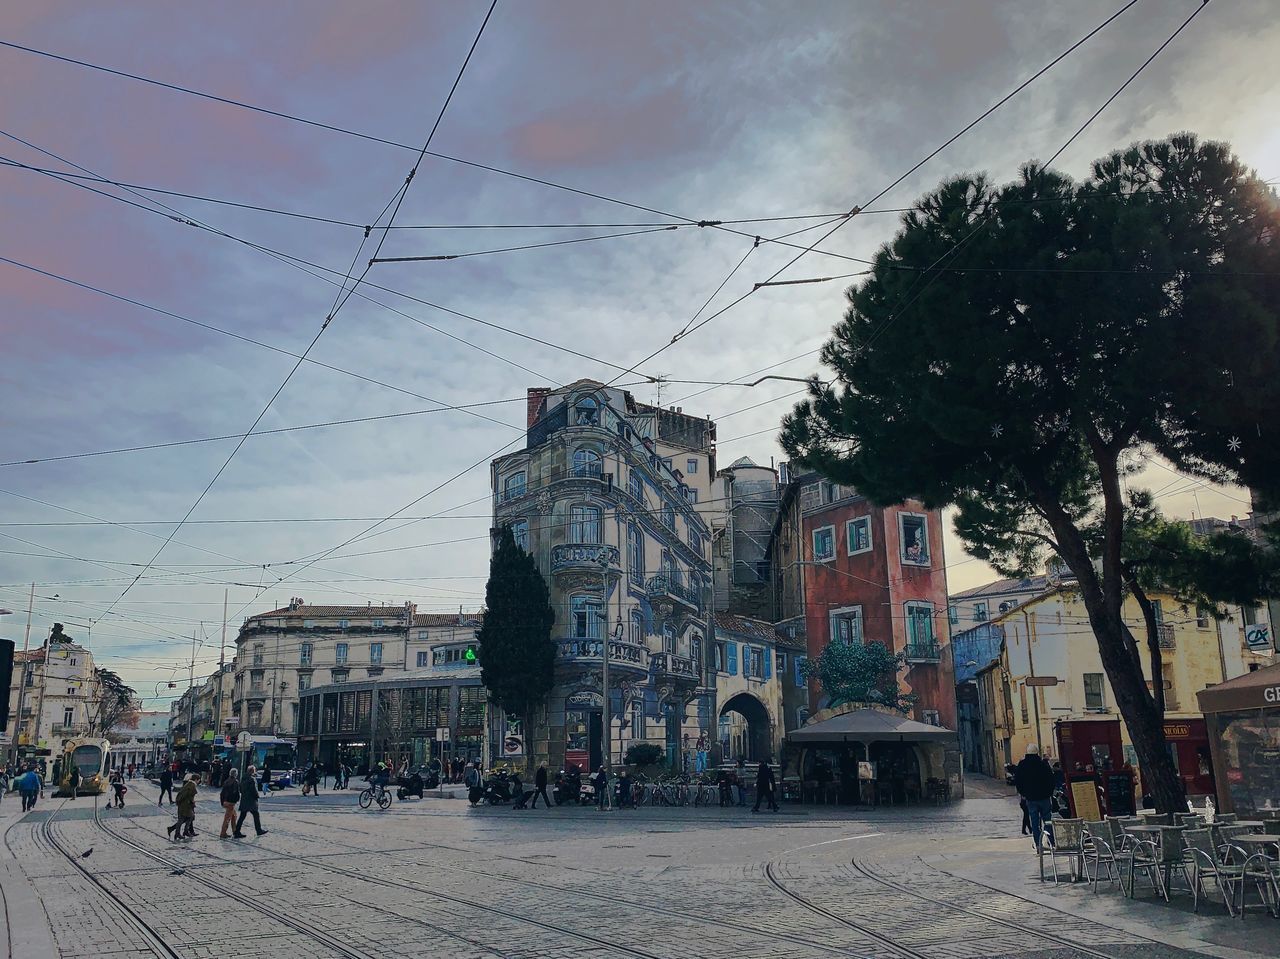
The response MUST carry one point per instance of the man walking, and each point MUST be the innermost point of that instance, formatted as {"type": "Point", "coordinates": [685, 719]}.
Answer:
{"type": "Point", "coordinates": [249, 803]}
{"type": "Point", "coordinates": [29, 788]}
{"type": "Point", "coordinates": [1033, 778]}
{"type": "Point", "coordinates": [540, 787]}
{"type": "Point", "coordinates": [74, 780]}
{"type": "Point", "coordinates": [764, 786]}
{"type": "Point", "coordinates": [601, 782]}
{"type": "Point", "coordinates": [740, 774]}
{"type": "Point", "coordinates": [229, 796]}
{"type": "Point", "coordinates": [166, 786]}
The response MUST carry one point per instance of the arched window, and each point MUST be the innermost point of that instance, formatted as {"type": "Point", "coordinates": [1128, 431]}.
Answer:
{"type": "Point", "coordinates": [586, 463]}
{"type": "Point", "coordinates": [637, 628]}
{"type": "Point", "coordinates": [584, 524]}
{"type": "Point", "coordinates": [586, 411]}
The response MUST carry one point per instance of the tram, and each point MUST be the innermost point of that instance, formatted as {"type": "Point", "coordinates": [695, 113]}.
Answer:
{"type": "Point", "coordinates": [90, 756]}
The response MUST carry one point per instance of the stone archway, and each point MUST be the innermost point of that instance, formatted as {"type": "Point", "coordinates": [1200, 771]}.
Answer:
{"type": "Point", "coordinates": [751, 738]}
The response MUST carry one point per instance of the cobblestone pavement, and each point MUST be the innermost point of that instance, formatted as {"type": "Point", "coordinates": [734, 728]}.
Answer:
{"type": "Point", "coordinates": [436, 878]}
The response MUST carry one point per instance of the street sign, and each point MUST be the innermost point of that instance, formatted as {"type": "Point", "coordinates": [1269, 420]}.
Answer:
{"type": "Point", "coordinates": [442, 734]}
{"type": "Point", "coordinates": [1043, 680]}
{"type": "Point", "coordinates": [244, 742]}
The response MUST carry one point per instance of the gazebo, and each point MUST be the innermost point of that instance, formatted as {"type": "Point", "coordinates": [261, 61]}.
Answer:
{"type": "Point", "coordinates": [863, 754]}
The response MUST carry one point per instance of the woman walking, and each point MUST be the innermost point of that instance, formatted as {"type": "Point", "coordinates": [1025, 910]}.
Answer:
{"type": "Point", "coordinates": [184, 828]}
{"type": "Point", "coordinates": [249, 803]}
{"type": "Point", "coordinates": [229, 796]}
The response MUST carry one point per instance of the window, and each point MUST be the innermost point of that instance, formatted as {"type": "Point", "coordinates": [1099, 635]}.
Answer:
{"type": "Point", "coordinates": [258, 650]}
{"type": "Point", "coordinates": [800, 663]}
{"type": "Point", "coordinates": [68, 715]}
{"type": "Point", "coordinates": [635, 553]}
{"type": "Point", "coordinates": [637, 721]}
{"type": "Point", "coordinates": [668, 516]}
{"type": "Point", "coordinates": [520, 533]}
{"type": "Point", "coordinates": [308, 624]}
{"type": "Point", "coordinates": [695, 541]}
{"type": "Point", "coordinates": [1022, 695]}
{"type": "Point", "coordinates": [340, 675]}
{"type": "Point", "coordinates": [423, 659]}
{"type": "Point", "coordinates": [1093, 695]}
{"type": "Point", "coordinates": [585, 614]}
{"type": "Point", "coordinates": [73, 660]}
{"type": "Point", "coordinates": [637, 628]}
{"type": "Point", "coordinates": [635, 485]}
{"type": "Point", "coordinates": [1248, 616]}
{"type": "Point", "coordinates": [669, 638]}
{"type": "Point", "coordinates": [691, 494]}
{"type": "Point", "coordinates": [953, 614]}
{"type": "Point", "coordinates": [255, 680]}
{"type": "Point", "coordinates": [340, 654]}
{"type": "Point", "coordinates": [858, 532]}
{"type": "Point", "coordinates": [802, 715]}
{"type": "Point", "coordinates": [30, 677]}
{"type": "Point", "coordinates": [375, 654]}
{"type": "Point", "coordinates": [720, 659]}
{"type": "Point", "coordinates": [913, 530]}
{"type": "Point", "coordinates": [690, 467]}
{"type": "Point", "coordinates": [305, 654]}
{"type": "Point", "coordinates": [513, 486]}
{"type": "Point", "coordinates": [931, 716]}
{"type": "Point", "coordinates": [344, 623]}
{"type": "Point", "coordinates": [980, 612]}
{"type": "Point", "coordinates": [1202, 617]}
{"type": "Point", "coordinates": [756, 658]}
{"type": "Point", "coordinates": [422, 635]}
{"type": "Point", "coordinates": [695, 651]}
{"type": "Point", "coordinates": [378, 624]}
{"type": "Point", "coordinates": [667, 463]}
{"type": "Point", "coordinates": [255, 714]}
{"type": "Point", "coordinates": [586, 412]}
{"type": "Point", "coordinates": [586, 463]}
{"type": "Point", "coordinates": [304, 681]}
{"type": "Point", "coordinates": [824, 544]}
{"type": "Point", "coordinates": [1157, 607]}
{"type": "Point", "coordinates": [731, 661]}
{"type": "Point", "coordinates": [780, 662]}
{"type": "Point", "coordinates": [919, 624]}
{"type": "Point", "coordinates": [584, 524]}
{"type": "Point", "coordinates": [846, 625]}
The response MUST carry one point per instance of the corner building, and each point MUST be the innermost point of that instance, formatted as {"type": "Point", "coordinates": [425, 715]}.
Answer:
{"type": "Point", "coordinates": [605, 498]}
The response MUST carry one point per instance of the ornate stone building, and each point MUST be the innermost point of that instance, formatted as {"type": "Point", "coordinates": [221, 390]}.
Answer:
{"type": "Point", "coordinates": [605, 498]}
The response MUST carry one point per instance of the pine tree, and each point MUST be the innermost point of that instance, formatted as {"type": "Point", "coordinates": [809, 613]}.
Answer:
{"type": "Point", "coordinates": [517, 657]}
{"type": "Point", "coordinates": [1015, 347]}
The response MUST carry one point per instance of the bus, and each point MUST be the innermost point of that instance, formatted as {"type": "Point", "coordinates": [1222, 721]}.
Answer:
{"type": "Point", "coordinates": [265, 753]}
{"type": "Point", "coordinates": [90, 756]}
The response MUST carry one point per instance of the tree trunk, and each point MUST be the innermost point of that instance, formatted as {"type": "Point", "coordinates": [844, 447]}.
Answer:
{"type": "Point", "coordinates": [1153, 643]}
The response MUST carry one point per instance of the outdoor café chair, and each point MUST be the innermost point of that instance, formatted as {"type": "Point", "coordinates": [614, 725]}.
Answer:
{"type": "Point", "coordinates": [1065, 839]}
{"type": "Point", "coordinates": [1099, 850]}
{"type": "Point", "coordinates": [1191, 819]}
{"type": "Point", "coordinates": [1205, 860]}
{"type": "Point", "coordinates": [1142, 855]}
{"type": "Point", "coordinates": [1264, 873]}
{"type": "Point", "coordinates": [1226, 817]}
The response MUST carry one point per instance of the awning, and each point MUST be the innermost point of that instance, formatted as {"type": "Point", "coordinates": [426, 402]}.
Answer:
{"type": "Point", "coordinates": [1259, 689]}
{"type": "Point", "coordinates": [870, 726]}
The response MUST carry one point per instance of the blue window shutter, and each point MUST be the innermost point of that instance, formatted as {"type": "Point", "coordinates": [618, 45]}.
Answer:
{"type": "Point", "coordinates": [732, 650]}
{"type": "Point", "coordinates": [768, 662]}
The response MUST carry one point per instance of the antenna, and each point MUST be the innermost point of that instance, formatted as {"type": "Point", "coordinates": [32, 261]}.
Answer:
{"type": "Point", "coordinates": [658, 382]}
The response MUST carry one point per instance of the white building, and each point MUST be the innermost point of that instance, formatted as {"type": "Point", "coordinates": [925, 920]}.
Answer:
{"type": "Point", "coordinates": [52, 696]}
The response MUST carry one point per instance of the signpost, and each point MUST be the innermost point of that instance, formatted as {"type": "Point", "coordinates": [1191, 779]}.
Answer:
{"type": "Point", "coordinates": [1042, 680]}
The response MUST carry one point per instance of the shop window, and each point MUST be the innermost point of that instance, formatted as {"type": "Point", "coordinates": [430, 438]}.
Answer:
{"type": "Point", "coordinates": [913, 531]}
{"type": "Point", "coordinates": [824, 544]}
{"type": "Point", "coordinates": [858, 534]}
{"type": "Point", "coordinates": [1093, 691]}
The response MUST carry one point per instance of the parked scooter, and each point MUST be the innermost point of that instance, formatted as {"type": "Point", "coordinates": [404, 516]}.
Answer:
{"type": "Point", "coordinates": [497, 789]}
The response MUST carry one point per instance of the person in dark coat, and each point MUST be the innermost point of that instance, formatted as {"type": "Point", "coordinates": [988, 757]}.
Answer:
{"type": "Point", "coordinates": [1033, 778]}
{"type": "Point", "coordinates": [601, 781]}
{"type": "Point", "coordinates": [249, 803]}
{"type": "Point", "coordinates": [764, 786]}
{"type": "Point", "coordinates": [166, 786]}
{"type": "Point", "coordinates": [229, 796]}
{"type": "Point", "coordinates": [184, 828]}
{"type": "Point", "coordinates": [540, 787]}
{"type": "Point", "coordinates": [74, 780]}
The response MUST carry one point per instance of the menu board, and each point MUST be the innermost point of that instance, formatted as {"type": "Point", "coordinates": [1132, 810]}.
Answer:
{"type": "Point", "coordinates": [1084, 800]}
{"type": "Point", "coordinates": [1120, 794]}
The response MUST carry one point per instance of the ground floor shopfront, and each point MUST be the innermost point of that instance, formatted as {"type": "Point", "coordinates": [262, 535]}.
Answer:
{"type": "Point", "coordinates": [416, 721]}
{"type": "Point", "coordinates": [1243, 718]}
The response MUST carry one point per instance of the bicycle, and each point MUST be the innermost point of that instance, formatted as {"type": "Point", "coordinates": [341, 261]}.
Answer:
{"type": "Point", "coordinates": [380, 793]}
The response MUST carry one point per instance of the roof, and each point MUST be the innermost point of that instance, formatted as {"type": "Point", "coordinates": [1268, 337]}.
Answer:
{"type": "Point", "coordinates": [447, 619]}
{"type": "Point", "coordinates": [1259, 689]}
{"type": "Point", "coordinates": [303, 611]}
{"type": "Point", "coordinates": [756, 629]}
{"type": "Point", "coordinates": [870, 726]}
{"type": "Point", "coordinates": [745, 462]}
{"type": "Point", "coordinates": [1039, 583]}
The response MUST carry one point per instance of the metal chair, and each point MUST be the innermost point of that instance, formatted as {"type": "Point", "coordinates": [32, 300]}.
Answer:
{"type": "Point", "coordinates": [1144, 855]}
{"type": "Point", "coordinates": [1194, 820]}
{"type": "Point", "coordinates": [1226, 817]}
{"type": "Point", "coordinates": [1066, 838]}
{"type": "Point", "coordinates": [1203, 859]}
{"type": "Point", "coordinates": [1098, 845]}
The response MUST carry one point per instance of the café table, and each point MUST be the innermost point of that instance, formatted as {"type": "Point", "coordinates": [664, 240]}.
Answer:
{"type": "Point", "coordinates": [1256, 839]}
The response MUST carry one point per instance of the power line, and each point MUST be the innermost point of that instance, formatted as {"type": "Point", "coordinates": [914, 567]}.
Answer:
{"type": "Point", "coordinates": [344, 297]}
{"type": "Point", "coordinates": [526, 246]}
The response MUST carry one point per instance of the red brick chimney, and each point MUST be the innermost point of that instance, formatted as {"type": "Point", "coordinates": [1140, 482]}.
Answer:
{"type": "Point", "coordinates": [537, 394]}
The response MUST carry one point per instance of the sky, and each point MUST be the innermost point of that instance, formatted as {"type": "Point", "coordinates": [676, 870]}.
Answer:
{"type": "Point", "coordinates": [716, 110]}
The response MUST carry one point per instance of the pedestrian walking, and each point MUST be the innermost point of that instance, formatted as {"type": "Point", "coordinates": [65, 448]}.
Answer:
{"type": "Point", "coordinates": [166, 786]}
{"type": "Point", "coordinates": [1034, 781]}
{"type": "Point", "coordinates": [601, 782]}
{"type": "Point", "coordinates": [73, 780]}
{"type": "Point", "coordinates": [249, 804]}
{"type": "Point", "coordinates": [764, 786]}
{"type": "Point", "coordinates": [118, 788]}
{"type": "Point", "coordinates": [184, 827]}
{"type": "Point", "coordinates": [228, 797]}
{"type": "Point", "coordinates": [29, 788]}
{"type": "Point", "coordinates": [740, 771]}
{"type": "Point", "coordinates": [540, 787]}
{"type": "Point", "coordinates": [311, 780]}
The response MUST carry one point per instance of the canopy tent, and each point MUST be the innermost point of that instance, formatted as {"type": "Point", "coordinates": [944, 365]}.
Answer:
{"type": "Point", "coordinates": [1259, 689]}
{"type": "Point", "coordinates": [870, 726]}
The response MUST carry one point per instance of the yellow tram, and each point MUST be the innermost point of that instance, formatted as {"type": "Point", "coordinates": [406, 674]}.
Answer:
{"type": "Point", "coordinates": [89, 755]}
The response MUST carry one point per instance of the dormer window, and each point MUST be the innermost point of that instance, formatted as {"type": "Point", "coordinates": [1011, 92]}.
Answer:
{"type": "Point", "coordinates": [586, 411]}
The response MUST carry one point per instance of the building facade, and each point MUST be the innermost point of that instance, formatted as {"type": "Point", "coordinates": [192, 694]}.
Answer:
{"type": "Point", "coordinates": [759, 682]}
{"type": "Point", "coordinates": [608, 497]}
{"type": "Point", "coordinates": [203, 711]}
{"type": "Point", "coordinates": [52, 697]}
{"type": "Point", "coordinates": [746, 501]}
{"type": "Point", "coordinates": [863, 573]}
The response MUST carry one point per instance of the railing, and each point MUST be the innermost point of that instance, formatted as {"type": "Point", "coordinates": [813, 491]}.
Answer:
{"type": "Point", "coordinates": [621, 653]}
{"type": "Point", "coordinates": [75, 729]}
{"type": "Point", "coordinates": [583, 556]}
{"type": "Point", "coordinates": [672, 586]}
{"type": "Point", "coordinates": [669, 664]}
{"type": "Point", "coordinates": [1164, 634]}
{"type": "Point", "coordinates": [923, 653]}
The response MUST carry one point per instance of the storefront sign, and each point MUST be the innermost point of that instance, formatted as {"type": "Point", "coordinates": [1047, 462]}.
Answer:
{"type": "Point", "coordinates": [582, 700]}
{"type": "Point", "coordinates": [1177, 730]}
{"type": "Point", "coordinates": [1271, 694]}
{"type": "Point", "coordinates": [1258, 638]}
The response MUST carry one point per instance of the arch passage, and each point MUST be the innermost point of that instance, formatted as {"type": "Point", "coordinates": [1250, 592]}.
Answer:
{"type": "Point", "coordinates": [745, 729]}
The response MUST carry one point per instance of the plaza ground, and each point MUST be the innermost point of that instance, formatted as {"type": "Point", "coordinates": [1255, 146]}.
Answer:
{"type": "Point", "coordinates": [437, 878]}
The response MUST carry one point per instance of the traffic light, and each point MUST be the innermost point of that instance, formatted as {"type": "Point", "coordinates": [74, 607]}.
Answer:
{"type": "Point", "coordinates": [6, 677]}
{"type": "Point", "coordinates": [472, 655]}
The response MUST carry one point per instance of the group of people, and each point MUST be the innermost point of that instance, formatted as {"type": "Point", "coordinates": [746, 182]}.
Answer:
{"type": "Point", "coordinates": [234, 792]}
{"type": "Point", "coordinates": [28, 782]}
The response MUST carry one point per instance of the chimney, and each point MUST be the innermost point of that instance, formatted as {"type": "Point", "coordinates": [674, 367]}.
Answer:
{"type": "Point", "coordinates": [536, 396]}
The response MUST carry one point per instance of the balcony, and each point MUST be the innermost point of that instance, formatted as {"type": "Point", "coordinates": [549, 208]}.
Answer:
{"type": "Point", "coordinates": [586, 560]}
{"type": "Point", "coordinates": [1164, 634]}
{"type": "Point", "coordinates": [74, 729]}
{"type": "Point", "coordinates": [668, 667]}
{"type": "Point", "coordinates": [670, 590]}
{"type": "Point", "coordinates": [923, 653]}
{"type": "Point", "coordinates": [624, 656]}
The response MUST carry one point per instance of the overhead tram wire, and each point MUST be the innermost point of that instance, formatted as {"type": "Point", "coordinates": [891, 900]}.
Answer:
{"type": "Point", "coordinates": [933, 272]}
{"type": "Point", "coordinates": [344, 297]}
{"type": "Point", "coordinates": [857, 208]}
{"type": "Point", "coordinates": [526, 246]}
{"type": "Point", "coordinates": [713, 224]}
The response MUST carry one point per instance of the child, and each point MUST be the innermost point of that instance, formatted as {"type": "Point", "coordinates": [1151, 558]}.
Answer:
{"type": "Point", "coordinates": [119, 788]}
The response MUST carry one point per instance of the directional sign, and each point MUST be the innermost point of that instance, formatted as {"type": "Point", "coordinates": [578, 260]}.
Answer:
{"type": "Point", "coordinates": [1043, 680]}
